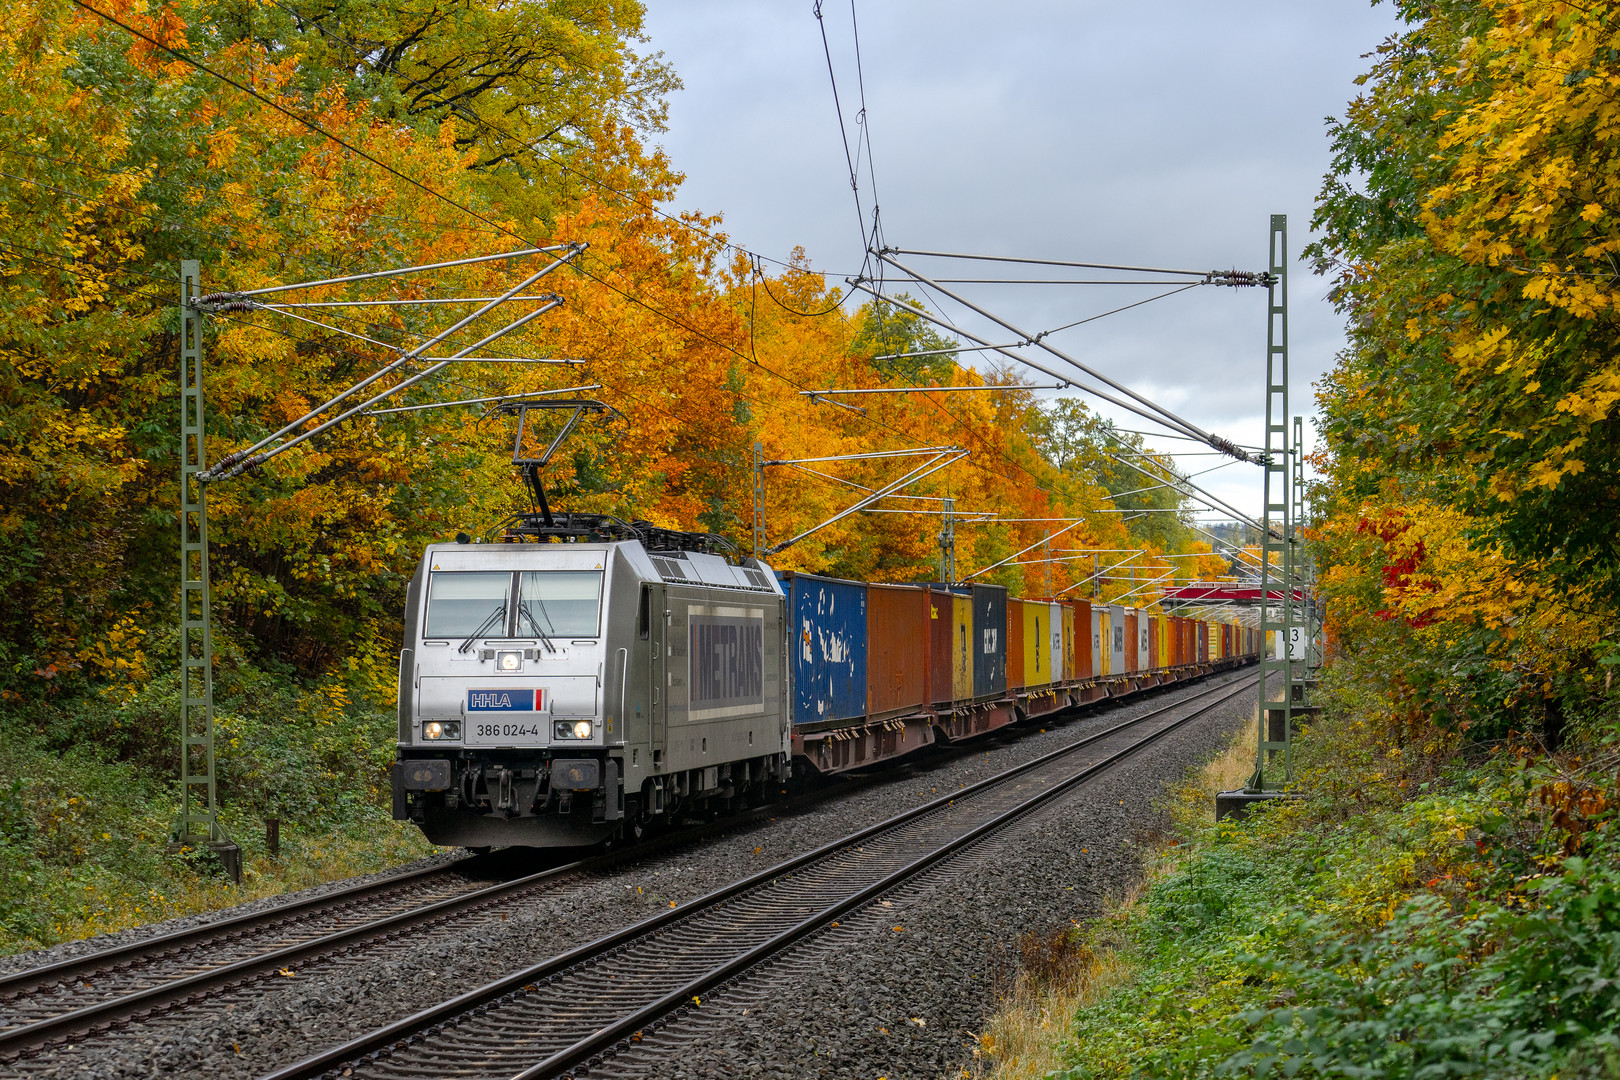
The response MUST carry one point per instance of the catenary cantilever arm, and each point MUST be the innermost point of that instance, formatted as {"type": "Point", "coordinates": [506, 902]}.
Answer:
{"type": "Point", "coordinates": [946, 456]}
{"type": "Point", "coordinates": [226, 466]}
{"type": "Point", "coordinates": [236, 464]}
{"type": "Point", "coordinates": [1226, 446]}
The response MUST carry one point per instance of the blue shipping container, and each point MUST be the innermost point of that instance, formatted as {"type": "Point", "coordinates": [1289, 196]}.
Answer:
{"type": "Point", "coordinates": [828, 642]}
{"type": "Point", "coordinates": [990, 632]}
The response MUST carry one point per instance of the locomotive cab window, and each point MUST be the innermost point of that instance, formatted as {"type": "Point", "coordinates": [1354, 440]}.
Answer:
{"type": "Point", "coordinates": [559, 603]}
{"type": "Point", "coordinates": [467, 603]}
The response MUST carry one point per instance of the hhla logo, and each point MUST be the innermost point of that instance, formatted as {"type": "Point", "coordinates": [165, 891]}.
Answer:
{"type": "Point", "coordinates": [498, 700]}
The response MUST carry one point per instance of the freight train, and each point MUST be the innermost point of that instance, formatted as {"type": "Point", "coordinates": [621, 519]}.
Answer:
{"type": "Point", "coordinates": [589, 678]}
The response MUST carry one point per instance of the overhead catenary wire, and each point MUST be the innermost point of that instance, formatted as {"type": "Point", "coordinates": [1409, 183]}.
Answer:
{"type": "Point", "coordinates": [927, 389]}
{"type": "Point", "coordinates": [784, 378]}
{"type": "Point", "coordinates": [237, 461]}
{"type": "Point", "coordinates": [843, 131]}
{"type": "Point", "coordinates": [321, 131]}
{"type": "Point", "coordinates": [1036, 340]}
{"type": "Point", "coordinates": [1056, 281]}
{"type": "Point", "coordinates": [52, 258]}
{"type": "Point", "coordinates": [348, 146]}
{"type": "Point", "coordinates": [1074, 522]}
{"type": "Point", "coordinates": [291, 115]}
{"type": "Point", "coordinates": [946, 456]}
{"type": "Point", "coordinates": [1009, 353]}
{"type": "Point", "coordinates": [1243, 277]}
{"type": "Point", "coordinates": [334, 138]}
{"type": "Point", "coordinates": [169, 180]}
{"type": "Point", "coordinates": [1193, 491]}
{"type": "Point", "coordinates": [1175, 421]}
{"type": "Point", "coordinates": [166, 299]}
{"type": "Point", "coordinates": [367, 56]}
{"type": "Point", "coordinates": [484, 400]}
{"type": "Point", "coordinates": [961, 517]}
{"type": "Point", "coordinates": [1165, 484]}
{"type": "Point", "coordinates": [1166, 435]}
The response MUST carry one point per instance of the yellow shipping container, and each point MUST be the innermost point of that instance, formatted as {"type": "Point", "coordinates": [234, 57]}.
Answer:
{"type": "Point", "coordinates": [1069, 673]}
{"type": "Point", "coordinates": [1037, 667]}
{"type": "Point", "coordinates": [1106, 625]}
{"type": "Point", "coordinates": [962, 654]}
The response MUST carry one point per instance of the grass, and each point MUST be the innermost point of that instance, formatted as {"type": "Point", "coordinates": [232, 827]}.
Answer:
{"type": "Point", "coordinates": [88, 799]}
{"type": "Point", "coordinates": [1429, 908]}
{"type": "Point", "coordinates": [1062, 974]}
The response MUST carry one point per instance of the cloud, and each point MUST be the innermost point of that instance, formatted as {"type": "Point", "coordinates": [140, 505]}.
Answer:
{"type": "Point", "coordinates": [1161, 134]}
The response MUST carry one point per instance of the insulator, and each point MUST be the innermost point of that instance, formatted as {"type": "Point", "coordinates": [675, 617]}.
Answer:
{"type": "Point", "coordinates": [1237, 279]}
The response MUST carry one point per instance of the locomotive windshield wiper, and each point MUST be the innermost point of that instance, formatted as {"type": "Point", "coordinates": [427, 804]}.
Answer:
{"type": "Point", "coordinates": [525, 614]}
{"type": "Point", "coordinates": [498, 615]}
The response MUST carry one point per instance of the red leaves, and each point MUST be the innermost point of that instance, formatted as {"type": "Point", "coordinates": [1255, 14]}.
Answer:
{"type": "Point", "coordinates": [1402, 560]}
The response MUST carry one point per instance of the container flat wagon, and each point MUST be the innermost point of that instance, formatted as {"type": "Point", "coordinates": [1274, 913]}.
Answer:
{"type": "Point", "coordinates": [562, 694]}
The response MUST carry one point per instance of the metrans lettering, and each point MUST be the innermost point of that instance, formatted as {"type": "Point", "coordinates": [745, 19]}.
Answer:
{"type": "Point", "coordinates": [727, 661]}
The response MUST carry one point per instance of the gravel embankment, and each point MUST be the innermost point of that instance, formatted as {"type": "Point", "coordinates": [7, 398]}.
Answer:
{"type": "Point", "coordinates": [957, 938]}
{"type": "Point", "coordinates": [902, 989]}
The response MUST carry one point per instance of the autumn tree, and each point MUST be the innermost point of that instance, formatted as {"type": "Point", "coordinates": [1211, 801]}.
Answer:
{"type": "Point", "coordinates": [1471, 424]}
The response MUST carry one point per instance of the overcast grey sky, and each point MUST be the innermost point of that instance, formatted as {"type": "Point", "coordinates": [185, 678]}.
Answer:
{"type": "Point", "coordinates": [1159, 134]}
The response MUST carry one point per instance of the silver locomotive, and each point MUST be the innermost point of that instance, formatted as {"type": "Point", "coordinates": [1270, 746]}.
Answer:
{"type": "Point", "coordinates": [563, 688]}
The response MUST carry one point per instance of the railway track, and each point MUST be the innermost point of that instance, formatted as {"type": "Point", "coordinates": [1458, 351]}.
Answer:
{"type": "Point", "coordinates": [87, 993]}
{"type": "Point", "coordinates": [554, 1018]}
{"type": "Point", "coordinates": [91, 994]}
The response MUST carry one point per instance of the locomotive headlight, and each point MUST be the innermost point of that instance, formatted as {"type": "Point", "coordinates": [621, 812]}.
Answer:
{"type": "Point", "coordinates": [441, 729]}
{"type": "Point", "coordinates": [574, 729]}
{"type": "Point", "coordinates": [582, 729]}
{"type": "Point", "coordinates": [508, 661]}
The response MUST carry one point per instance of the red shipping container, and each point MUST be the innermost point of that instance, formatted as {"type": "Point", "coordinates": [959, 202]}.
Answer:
{"type": "Point", "coordinates": [1015, 644]}
{"type": "Point", "coordinates": [897, 619]}
{"type": "Point", "coordinates": [1082, 638]}
{"type": "Point", "coordinates": [939, 640]}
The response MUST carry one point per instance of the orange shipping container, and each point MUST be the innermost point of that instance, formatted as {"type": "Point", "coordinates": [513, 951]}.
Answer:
{"type": "Point", "coordinates": [897, 618]}
{"type": "Point", "coordinates": [1082, 638]}
{"type": "Point", "coordinates": [939, 646]}
{"type": "Point", "coordinates": [1015, 644]}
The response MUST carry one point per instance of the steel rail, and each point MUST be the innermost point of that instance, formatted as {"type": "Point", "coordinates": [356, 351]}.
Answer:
{"type": "Point", "coordinates": [404, 1032]}
{"type": "Point", "coordinates": [23, 1038]}
{"type": "Point", "coordinates": [580, 1053]}
{"type": "Point", "coordinates": [170, 991]}
{"type": "Point", "coordinates": [47, 974]}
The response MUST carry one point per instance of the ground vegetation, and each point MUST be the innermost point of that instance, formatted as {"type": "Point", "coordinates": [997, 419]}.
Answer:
{"type": "Point", "coordinates": [1441, 898]}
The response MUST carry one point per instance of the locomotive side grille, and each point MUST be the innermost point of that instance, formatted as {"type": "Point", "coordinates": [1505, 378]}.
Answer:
{"type": "Point", "coordinates": [670, 569]}
{"type": "Point", "coordinates": [728, 577]}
